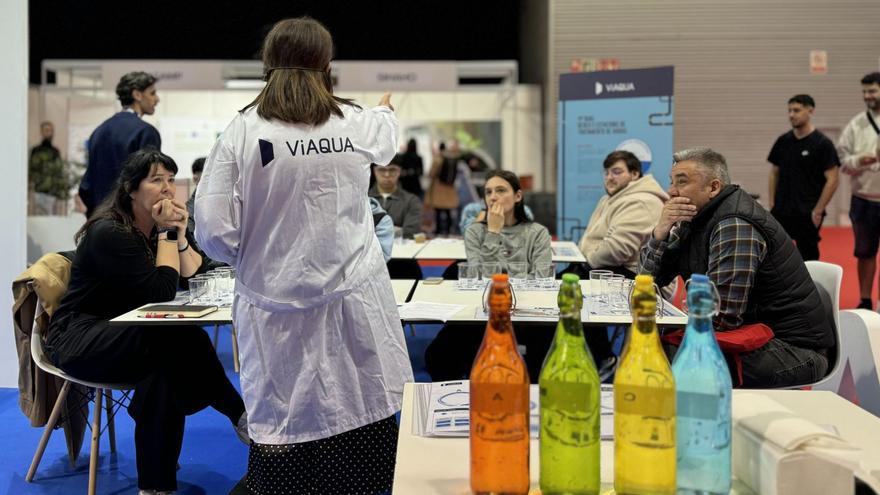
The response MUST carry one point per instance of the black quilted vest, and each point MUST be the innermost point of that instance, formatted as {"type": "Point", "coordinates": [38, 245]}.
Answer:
{"type": "Point", "coordinates": [783, 296]}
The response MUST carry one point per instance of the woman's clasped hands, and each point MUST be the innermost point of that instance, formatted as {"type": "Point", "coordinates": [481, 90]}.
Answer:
{"type": "Point", "coordinates": [170, 213]}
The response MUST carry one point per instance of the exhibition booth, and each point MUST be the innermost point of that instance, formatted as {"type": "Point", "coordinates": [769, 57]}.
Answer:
{"type": "Point", "coordinates": [479, 104]}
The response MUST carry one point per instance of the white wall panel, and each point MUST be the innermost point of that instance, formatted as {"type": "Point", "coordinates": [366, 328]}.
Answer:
{"type": "Point", "coordinates": [13, 187]}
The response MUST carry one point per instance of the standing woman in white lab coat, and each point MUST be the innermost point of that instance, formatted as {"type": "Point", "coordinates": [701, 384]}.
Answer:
{"type": "Point", "coordinates": [282, 198]}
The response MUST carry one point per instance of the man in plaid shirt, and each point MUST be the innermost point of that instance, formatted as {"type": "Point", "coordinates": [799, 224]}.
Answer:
{"type": "Point", "coordinates": [710, 226]}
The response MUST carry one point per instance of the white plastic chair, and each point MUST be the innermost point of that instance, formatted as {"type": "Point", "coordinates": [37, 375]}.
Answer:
{"type": "Point", "coordinates": [857, 378]}
{"type": "Point", "coordinates": [100, 390]}
{"type": "Point", "coordinates": [828, 276]}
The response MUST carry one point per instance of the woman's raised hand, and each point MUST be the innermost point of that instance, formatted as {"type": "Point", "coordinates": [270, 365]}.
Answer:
{"type": "Point", "coordinates": [170, 213]}
{"type": "Point", "coordinates": [385, 101]}
{"type": "Point", "coordinates": [495, 218]}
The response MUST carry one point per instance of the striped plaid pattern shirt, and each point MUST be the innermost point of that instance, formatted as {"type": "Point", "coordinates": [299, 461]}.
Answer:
{"type": "Point", "coordinates": [737, 249]}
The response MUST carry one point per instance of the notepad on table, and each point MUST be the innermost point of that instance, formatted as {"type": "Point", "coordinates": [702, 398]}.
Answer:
{"type": "Point", "coordinates": [174, 311]}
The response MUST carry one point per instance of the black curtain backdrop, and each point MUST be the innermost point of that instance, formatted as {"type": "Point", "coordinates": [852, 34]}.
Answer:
{"type": "Point", "coordinates": [234, 29]}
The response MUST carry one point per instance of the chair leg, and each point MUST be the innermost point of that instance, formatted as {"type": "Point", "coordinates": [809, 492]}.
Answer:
{"type": "Point", "coordinates": [47, 431]}
{"type": "Point", "coordinates": [96, 437]}
{"type": "Point", "coordinates": [235, 364]}
{"type": "Point", "coordinates": [111, 421]}
{"type": "Point", "coordinates": [216, 334]}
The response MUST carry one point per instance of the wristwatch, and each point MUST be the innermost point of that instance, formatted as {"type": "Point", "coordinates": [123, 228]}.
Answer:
{"type": "Point", "coordinates": [170, 233]}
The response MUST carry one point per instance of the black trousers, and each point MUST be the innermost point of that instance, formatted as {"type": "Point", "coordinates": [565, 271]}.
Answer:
{"type": "Point", "coordinates": [451, 354]}
{"type": "Point", "coordinates": [775, 365]}
{"type": "Point", "coordinates": [175, 371]}
{"type": "Point", "coordinates": [443, 221]}
{"type": "Point", "coordinates": [804, 233]}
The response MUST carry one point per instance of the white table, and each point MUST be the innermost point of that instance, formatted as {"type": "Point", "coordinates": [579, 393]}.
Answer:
{"type": "Point", "coordinates": [406, 249]}
{"type": "Point", "coordinates": [402, 288]}
{"type": "Point", "coordinates": [443, 249]}
{"type": "Point", "coordinates": [453, 249]}
{"type": "Point", "coordinates": [445, 292]}
{"type": "Point", "coordinates": [223, 316]}
{"type": "Point", "coordinates": [435, 466]}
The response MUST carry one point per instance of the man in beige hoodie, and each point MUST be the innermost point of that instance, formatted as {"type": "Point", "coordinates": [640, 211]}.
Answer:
{"type": "Point", "coordinates": [623, 219]}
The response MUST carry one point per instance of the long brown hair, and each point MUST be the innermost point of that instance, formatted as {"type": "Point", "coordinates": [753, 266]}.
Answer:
{"type": "Point", "coordinates": [296, 61]}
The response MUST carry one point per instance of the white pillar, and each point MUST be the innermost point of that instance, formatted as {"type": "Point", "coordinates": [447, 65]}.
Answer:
{"type": "Point", "coordinates": [13, 170]}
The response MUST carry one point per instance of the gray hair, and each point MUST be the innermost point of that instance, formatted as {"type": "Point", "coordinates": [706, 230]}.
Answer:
{"type": "Point", "coordinates": [710, 160]}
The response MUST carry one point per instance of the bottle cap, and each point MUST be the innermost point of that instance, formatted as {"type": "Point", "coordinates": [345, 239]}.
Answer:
{"type": "Point", "coordinates": [644, 282]}
{"type": "Point", "coordinates": [699, 278]}
{"type": "Point", "coordinates": [499, 277]}
{"type": "Point", "coordinates": [570, 278]}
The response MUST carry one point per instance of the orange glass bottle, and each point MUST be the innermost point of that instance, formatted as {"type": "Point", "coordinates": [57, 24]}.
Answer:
{"type": "Point", "coordinates": [499, 404]}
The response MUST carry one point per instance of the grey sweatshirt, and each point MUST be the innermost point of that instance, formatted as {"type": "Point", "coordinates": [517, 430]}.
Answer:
{"type": "Point", "coordinates": [528, 242]}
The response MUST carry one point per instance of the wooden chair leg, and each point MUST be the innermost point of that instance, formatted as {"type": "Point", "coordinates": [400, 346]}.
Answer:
{"type": "Point", "coordinates": [235, 364]}
{"type": "Point", "coordinates": [47, 431]}
{"type": "Point", "coordinates": [111, 421]}
{"type": "Point", "coordinates": [216, 334]}
{"type": "Point", "coordinates": [96, 437]}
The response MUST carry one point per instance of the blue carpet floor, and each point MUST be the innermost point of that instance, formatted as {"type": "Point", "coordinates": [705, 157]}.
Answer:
{"type": "Point", "coordinates": [212, 460]}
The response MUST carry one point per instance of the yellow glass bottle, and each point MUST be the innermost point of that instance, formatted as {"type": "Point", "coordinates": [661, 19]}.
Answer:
{"type": "Point", "coordinates": [644, 404]}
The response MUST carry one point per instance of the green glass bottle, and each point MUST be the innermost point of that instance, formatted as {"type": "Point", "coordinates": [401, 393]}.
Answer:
{"type": "Point", "coordinates": [569, 385]}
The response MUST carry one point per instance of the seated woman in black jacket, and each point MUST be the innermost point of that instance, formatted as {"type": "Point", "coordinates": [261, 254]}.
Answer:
{"type": "Point", "coordinates": [132, 251]}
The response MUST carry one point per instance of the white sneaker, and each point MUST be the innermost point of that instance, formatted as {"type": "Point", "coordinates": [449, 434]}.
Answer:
{"type": "Point", "coordinates": [241, 429]}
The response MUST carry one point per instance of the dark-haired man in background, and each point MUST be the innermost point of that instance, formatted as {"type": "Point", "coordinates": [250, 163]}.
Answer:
{"type": "Point", "coordinates": [119, 136]}
{"type": "Point", "coordinates": [404, 207]}
{"type": "Point", "coordinates": [803, 177]}
{"type": "Point", "coordinates": [859, 159]}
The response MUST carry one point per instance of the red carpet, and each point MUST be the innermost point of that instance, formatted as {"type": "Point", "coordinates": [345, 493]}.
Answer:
{"type": "Point", "coordinates": [837, 247]}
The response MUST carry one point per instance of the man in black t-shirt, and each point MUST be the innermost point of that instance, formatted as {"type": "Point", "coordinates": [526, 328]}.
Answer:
{"type": "Point", "coordinates": [803, 177]}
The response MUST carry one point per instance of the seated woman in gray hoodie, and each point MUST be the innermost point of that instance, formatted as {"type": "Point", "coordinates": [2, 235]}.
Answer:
{"type": "Point", "coordinates": [506, 234]}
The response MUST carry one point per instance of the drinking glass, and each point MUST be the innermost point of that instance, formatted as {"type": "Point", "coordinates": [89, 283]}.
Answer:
{"type": "Point", "coordinates": [545, 275]}
{"type": "Point", "coordinates": [518, 272]}
{"type": "Point", "coordinates": [615, 291]}
{"type": "Point", "coordinates": [599, 287]}
{"type": "Point", "coordinates": [197, 289]}
{"type": "Point", "coordinates": [468, 275]}
{"type": "Point", "coordinates": [489, 269]}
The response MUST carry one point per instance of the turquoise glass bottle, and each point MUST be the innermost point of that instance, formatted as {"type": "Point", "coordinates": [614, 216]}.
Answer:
{"type": "Point", "coordinates": [703, 395]}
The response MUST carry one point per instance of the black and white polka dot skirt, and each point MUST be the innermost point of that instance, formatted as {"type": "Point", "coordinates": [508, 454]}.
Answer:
{"type": "Point", "coordinates": [359, 461]}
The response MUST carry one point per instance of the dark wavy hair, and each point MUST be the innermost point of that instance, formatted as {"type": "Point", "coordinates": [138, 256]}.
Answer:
{"type": "Point", "coordinates": [130, 82]}
{"type": "Point", "coordinates": [117, 205]}
{"type": "Point", "coordinates": [872, 78]}
{"type": "Point", "coordinates": [633, 164]}
{"type": "Point", "coordinates": [519, 209]}
{"type": "Point", "coordinates": [296, 60]}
